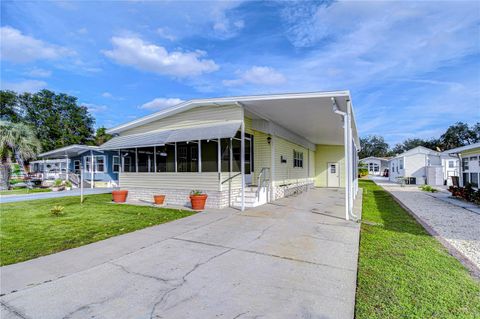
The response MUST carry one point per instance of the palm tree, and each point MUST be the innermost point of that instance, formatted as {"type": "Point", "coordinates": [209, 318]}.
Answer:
{"type": "Point", "coordinates": [16, 140]}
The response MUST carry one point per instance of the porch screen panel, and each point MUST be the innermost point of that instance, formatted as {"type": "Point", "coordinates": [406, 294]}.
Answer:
{"type": "Point", "coordinates": [187, 157]}
{"type": "Point", "coordinates": [237, 155]}
{"type": "Point", "coordinates": [165, 158]}
{"type": "Point", "coordinates": [145, 159]}
{"type": "Point", "coordinates": [128, 159]}
{"type": "Point", "coordinates": [225, 149]}
{"type": "Point", "coordinates": [209, 156]}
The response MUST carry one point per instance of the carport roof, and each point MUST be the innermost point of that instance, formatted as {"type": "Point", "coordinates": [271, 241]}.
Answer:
{"type": "Point", "coordinates": [309, 115]}
{"type": "Point", "coordinates": [70, 151]}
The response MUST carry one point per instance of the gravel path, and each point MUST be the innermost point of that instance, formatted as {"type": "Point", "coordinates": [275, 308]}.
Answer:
{"type": "Point", "coordinates": [459, 227]}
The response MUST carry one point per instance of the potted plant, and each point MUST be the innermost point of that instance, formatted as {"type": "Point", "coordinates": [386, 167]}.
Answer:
{"type": "Point", "coordinates": [158, 199]}
{"type": "Point", "coordinates": [119, 196]}
{"type": "Point", "coordinates": [198, 199]}
{"type": "Point", "coordinates": [57, 185]}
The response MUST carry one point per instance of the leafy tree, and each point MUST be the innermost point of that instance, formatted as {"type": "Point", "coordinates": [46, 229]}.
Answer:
{"type": "Point", "coordinates": [56, 118]}
{"type": "Point", "coordinates": [373, 146]}
{"type": "Point", "coordinates": [460, 134]}
{"type": "Point", "coordinates": [101, 136]}
{"type": "Point", "coordinates": [9, 107]}
{"type": "Point", "coordinates": [19, 140]}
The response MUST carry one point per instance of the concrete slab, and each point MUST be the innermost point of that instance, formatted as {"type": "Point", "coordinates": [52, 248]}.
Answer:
{"type": "Point", "coordinates": [295, 258]}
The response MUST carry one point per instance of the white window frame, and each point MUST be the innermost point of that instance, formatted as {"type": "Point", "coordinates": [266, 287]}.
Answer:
{"type": "Point", "coordinates": [297, 159]}
{"type": "Point", "coordinates": [75, 165]}
{"type": "Point", "coordinates": [451, 164]}
{"type": "Point", "coordinates": [113, 164]}
{"type": "Point", "coordinates": [88, 167]}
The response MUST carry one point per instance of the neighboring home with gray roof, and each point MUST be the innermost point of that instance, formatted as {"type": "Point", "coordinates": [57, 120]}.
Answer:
{"type": "Point", "coordinates": [469, 155]}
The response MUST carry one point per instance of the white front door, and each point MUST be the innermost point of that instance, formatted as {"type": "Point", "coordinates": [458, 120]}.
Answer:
{"type": "Point", "coordinates": [333, 175]}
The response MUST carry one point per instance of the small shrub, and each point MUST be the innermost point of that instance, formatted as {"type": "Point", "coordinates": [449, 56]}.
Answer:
{"type": "Point", "coordinates": [428, 188]}
{"type": "Point", "coordinates": [362, 172]}
{"type": "Point", "coordinates": [57, 210]}
{"type": "Point", "coordinates": [57, 183]}
{"type": "Point", "coordinates": [68, 184]}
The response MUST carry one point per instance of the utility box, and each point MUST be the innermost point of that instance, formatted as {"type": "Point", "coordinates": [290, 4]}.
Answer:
{"type": "Point", "coordinates": [435, 175]}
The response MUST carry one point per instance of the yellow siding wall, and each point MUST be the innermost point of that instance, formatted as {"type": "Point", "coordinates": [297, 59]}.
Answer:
{"type": "Point", "coordinates": [285, 173]}
{"type": "Point", "coordinates": [198, 116]}
{"type": "Point", "coordinates": [261, 153]}
{"type": "Point", "coordinates": [325, 154]}
{"type": "Point", "coordinates": [311, 163]}
{"type": "Point", "coordinates": [474, 151]}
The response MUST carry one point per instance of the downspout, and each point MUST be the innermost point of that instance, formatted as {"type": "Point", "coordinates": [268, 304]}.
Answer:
{"type": "Point", "coordinates": [344, 115]}
{"type": "Point", "coordinates": [350, 162]}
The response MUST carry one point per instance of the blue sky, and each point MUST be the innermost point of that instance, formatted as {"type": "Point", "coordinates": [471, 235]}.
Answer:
{"type": "Point", "coordinates": [413, 67]}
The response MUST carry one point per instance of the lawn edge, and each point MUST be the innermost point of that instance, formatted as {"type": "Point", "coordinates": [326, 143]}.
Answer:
{"type": "Point", "coordinates": [473, 270]}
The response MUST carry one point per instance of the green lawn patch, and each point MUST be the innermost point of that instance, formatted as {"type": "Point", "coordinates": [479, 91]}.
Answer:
{"type": "Point", "coordinates": [31, 229]}
{"type": "Point", "coordinates": [21, 191]}
{"type": "Point", "coordinates": [403, 271]}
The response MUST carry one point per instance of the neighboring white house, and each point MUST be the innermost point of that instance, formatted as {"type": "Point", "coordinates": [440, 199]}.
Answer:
{"type": "Point", "coordinates": [421, 165]}
{"type": "Point", "coordinates": [451, 168]}
{"type": "Point", "coordinates": [375, 165]}
{"type": "Point", "coordinates": [469, 156]}
{"type": "Point", "coordinates": [242, 151]}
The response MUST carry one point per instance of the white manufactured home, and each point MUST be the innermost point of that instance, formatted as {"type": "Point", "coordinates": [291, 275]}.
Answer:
{"type": "Point", "coordinates": [242, 151]}
{"type": "Point", "coordinates": [375, 165]}
{"type": "Point", "coordinates": [421, 165]}
{"type": "Point", "coordinates": [469, 157]}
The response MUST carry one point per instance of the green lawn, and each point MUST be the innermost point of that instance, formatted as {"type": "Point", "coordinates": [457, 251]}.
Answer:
{"type": "Point", "coordinates": [18, 191]}
{"type": "Point", "coordinates": [28, 229]}
{"type": "Point", "coordinates": [403, 271]}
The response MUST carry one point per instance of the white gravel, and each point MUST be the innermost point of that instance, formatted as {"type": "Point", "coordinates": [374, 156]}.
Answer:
{"type": "Point", "coordinates": [458, 226]}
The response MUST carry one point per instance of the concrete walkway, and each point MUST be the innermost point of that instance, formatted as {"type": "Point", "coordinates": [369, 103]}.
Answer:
{"type": "Point", "coordinates": [295, 258]}
{"type": "Point", "coordinates": [73, 192]}
{"type": "Point", "coordinates": [456, 227]}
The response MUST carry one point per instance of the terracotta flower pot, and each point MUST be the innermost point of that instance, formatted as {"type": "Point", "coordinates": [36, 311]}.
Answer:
{"type": "Point", "coordinates": [119, 196]}
{"type": "Point", "coordinates": [159, 199]}
{"type": "Point", "coordinates": [198, 201]}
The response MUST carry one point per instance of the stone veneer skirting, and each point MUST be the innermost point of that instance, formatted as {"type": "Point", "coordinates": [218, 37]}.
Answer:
{"type": "Point", "coordinates": [216, 199]}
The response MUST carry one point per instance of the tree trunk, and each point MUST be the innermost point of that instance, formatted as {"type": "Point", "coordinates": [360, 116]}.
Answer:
{"type": "Point", "coordinates": [5, 176]}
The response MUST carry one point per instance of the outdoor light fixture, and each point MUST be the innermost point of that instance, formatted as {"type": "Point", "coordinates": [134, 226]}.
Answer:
{"type": "Point", "coordinates": [269, 140]}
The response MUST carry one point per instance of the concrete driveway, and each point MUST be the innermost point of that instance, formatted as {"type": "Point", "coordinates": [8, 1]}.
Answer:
{"type": "Point", "coordinates": [295, 258]}
{"type": "Point", "coordinates": [33, 196]}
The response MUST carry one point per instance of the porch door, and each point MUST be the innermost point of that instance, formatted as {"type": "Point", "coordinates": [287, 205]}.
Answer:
{"type": "Point", "coordinates": [248, 159]}
{"type": "Point", "coordinates": [333, 175]}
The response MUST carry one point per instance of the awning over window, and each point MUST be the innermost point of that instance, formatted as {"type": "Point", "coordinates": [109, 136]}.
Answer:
{"type": "Point", "coordinates": [224, 130]}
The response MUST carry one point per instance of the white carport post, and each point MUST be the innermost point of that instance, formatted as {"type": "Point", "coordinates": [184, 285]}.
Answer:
{"type": "Point", "coordinates": [242, 162]}
{"type": "Point", "coordinates": [346, 136]}
{"type": "Point", "coordinates": [91, 169]}
{"type": "Point", "coordinates": [350, 161]}
{"type": "Point", "coordinates": [66, 168]}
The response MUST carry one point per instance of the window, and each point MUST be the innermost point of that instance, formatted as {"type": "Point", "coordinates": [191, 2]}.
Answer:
{"type": "Point", "coordinates": [76, 166]}
{"type": "Point", "coordinates": [473, 158]}
{"type": "Point", "coordinates": [401, 164]}
{"type": "Point", "coordinates": [465, 164]}
{"type": "Point", "coordinates": [451, 164]}
{"type": "Point", "coordinates": [98, 163]}
{"type": "Point", "coordinates": [466, 180]}
{"type": "Point", "coordinates": [333, 168]}
{"type": "Point", "coordinates": [116, 164]}
{"type": "Point", "coordinates": [297, 159]}
{"type": "Point", "coordinates": [376, 168]}
{"type": "Point", "coordinates": [474, 179]}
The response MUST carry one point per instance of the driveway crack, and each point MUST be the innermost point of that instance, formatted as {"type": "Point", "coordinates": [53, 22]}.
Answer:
{"type": "Point", "coordinates": [184, 280]}
{"type": "Point", "coordinates": [13, 310]}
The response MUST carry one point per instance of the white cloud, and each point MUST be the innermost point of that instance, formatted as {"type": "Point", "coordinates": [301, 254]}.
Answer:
{"type": "Point", "coordinates": [20, 48]}
{"type": "Point", "coordinates": [24, 86]}
{"type": "Point", "coordinates": [108, 95]}
{"type": "Point", "coordinates": [95, 108]}
{"type": "Point", "coordinates": [166, 34]}
{"type": "Point", "coordinates": [39, 73]}
{"type": "Point", "coordinates": [225, 27]}
{"type": "Point", "coordinates": [160, 103]}
{"type": "Point", "coordinates": [261, 75]}
{"type": "Point", "coordinates": [145, 56]}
